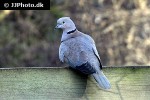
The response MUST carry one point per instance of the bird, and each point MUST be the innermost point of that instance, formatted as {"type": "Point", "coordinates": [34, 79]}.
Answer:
{"type": "Point", "coordinates": [78, 50]}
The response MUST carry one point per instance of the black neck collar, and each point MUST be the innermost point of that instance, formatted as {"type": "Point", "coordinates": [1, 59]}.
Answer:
{"type": "Point", "coordinates": [71, 31]}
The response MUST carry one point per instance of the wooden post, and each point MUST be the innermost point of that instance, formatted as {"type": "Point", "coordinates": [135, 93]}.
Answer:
{"type": "Point", "coordinates": [128, 83]}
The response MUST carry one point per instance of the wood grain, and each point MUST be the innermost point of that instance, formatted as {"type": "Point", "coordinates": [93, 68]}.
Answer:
{"type": "Point", "coordinates": [128, 83]}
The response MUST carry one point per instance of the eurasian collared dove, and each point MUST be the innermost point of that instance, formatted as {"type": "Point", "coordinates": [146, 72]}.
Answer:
{"type": "Point", "coordinates": [79, 51]}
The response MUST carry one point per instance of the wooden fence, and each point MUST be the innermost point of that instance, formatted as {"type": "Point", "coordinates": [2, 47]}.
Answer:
{"type": "Point", "coordinates": [128, 83]}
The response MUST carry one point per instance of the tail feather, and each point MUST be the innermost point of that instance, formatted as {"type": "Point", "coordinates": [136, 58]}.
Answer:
{"type": "Point", "coordinates": [102, 80]}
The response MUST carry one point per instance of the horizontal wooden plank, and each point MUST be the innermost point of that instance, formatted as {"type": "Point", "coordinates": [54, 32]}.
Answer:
{"type": "Point", "coordinates": [128, 83]}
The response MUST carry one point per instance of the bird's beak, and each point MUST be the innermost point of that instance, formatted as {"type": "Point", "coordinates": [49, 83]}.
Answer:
{"type": "Point", "coordinates": [56, 27]}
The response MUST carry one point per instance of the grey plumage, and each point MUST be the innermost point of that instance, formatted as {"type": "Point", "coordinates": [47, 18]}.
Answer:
{"type": "Point", "coordinates": [79, 51]}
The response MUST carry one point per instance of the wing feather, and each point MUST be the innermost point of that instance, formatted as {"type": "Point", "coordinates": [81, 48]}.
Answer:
{"type": "Point", "coordinates": [62, 49]}
{"type": "Point", "coordinates": [94, 49]}
{"type": "Point", "coordinates": [97, 55]}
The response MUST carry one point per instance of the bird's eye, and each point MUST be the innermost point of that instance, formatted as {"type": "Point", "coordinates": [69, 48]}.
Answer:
{"type": "Point", "coordinates": [63, 22]}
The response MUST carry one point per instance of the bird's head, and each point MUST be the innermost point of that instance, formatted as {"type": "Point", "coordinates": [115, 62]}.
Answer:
{"type": "Point", "coordinates": [66, 24]}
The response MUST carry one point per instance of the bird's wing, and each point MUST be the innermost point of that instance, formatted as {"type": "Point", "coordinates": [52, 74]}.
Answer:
{"type": "Point", "coordinates": [83, 64]}
{"type": "Point", "coordinates": [97, 55]}
{"type": "Point", "coordinates": [78, 59]}
{"type": "Point", "coordinates": [62, 49]}
{"type": "Point", "coordinates": [94, 49]}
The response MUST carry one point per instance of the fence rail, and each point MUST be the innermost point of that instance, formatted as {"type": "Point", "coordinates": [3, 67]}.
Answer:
{"type": "Point", "coordinates": [128, 83]}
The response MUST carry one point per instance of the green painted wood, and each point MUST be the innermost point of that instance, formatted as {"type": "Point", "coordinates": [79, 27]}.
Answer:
{"type": "Point", "coordinates": [127, 84]}
{"type": "Point", "coordinates": [65, 84]}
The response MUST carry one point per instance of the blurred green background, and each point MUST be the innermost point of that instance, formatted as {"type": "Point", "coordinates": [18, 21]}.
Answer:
{"type": "Point", "coordinates": [120, 28]}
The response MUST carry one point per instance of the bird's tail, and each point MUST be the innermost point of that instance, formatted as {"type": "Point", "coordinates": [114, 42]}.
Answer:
{"type": "Point", "coordinates": [102, 80]}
